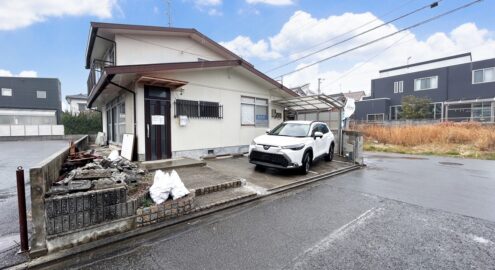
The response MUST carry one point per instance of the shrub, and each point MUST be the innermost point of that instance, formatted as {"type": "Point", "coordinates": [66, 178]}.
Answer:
{"type": "Point", "coordinates": [83, 123]}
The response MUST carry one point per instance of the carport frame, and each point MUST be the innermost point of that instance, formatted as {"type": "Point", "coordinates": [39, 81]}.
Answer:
{"type": "Point", "coordinates": [315, 103]}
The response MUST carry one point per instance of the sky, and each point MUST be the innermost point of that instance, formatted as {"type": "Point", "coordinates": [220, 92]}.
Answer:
{"type": "Point", "coordinates": [48, 38]}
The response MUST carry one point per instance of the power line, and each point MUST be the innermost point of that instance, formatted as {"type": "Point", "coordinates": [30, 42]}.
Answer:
{"type": "Point", "coordinates": [432, 5]}
{"type": "Point", "coordinates": [352, 30]}
{"type": "Point", "coordinates": [384, 37]}
{"type": "Point", "coordinates": [367, 61]}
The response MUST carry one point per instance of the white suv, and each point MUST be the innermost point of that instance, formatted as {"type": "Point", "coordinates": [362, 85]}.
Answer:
{"type": "Point", "coordinates": [293, 144]}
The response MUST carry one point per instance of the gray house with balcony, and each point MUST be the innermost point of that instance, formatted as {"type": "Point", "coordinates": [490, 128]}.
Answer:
{"type": "Point", "coordinates": [459, 90]}
{"type": "Point", "coordinates": [30, 101]}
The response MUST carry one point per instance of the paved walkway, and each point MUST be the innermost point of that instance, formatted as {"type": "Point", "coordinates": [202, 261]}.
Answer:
{"type": "Point", "coordinates": [12, 155]}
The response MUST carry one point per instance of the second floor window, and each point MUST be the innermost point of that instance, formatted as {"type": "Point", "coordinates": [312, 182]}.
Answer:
{"type": "Point", "coordinates": [484, 75]}
{"type": "Point", "coordinates": [40, 94]}
{"type": "Point", "coordinates": [6, 92]}
{"type": "Point", "coordinates": [399, 87]}
{"type": "Point", "coordinates": [426, 83]}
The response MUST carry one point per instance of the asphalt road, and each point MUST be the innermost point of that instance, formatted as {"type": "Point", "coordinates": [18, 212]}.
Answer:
{"type": "Point", "coordinates": [12, 155]}
{"type": "Point", "coordinates": [399, 213]}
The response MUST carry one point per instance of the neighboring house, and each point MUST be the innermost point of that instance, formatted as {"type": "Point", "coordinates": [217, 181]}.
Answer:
{"type": "Point", "coordinates": [77, 103]}
{"type": "Point", "coordinates": [179, 92]}
{"type": "Point", "coordinates": [303, 90]}
{"type": "Point", "coordinates": [356, 95]}
{"type": "Point", "coordinates": [30, 101]}
{"type": "Point", "coordinates": [459, 89]}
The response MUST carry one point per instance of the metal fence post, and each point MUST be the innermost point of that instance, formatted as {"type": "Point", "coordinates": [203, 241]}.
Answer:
{"type": "Point", "coordinates": [21, 200]}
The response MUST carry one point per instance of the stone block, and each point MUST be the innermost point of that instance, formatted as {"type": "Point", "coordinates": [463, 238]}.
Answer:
{"type": "Point", "coordinates": [92, 200]}
{"type": "Point", "coordinates": [146, 210]}
{"type": "Point", "coordinates": [50, 226]}
{"type": "Point", "coordinates": [79, 204]}
{"type": "Point", "coordinates": [168, 206]}
{"type": "Point", "coordinates": [79, 185]}
{"type": "Point", "coordinates": [71, 201]}
{"type": "Point", "coordinates": [86, 219]}
{"type": "Point", "coordinates": [161, 214]}
{"type": "Point", "coordinates": [49, 209]}
{"type": "Point", "coordinates": [86, 202]}
{"type": "Point", "coordinates": [153, 216]}
{"type": "Point", "coordinates": [146, 218]}
{"type": "Point", "coordinates": [58, 224]}
{"type": "Point", "coordinates": [168, 213]}
{"type": "Point", "coordinates": [139, 219]}
{"type": "Point", "coordinates": [130, 208]}
{"type": "Point", "coordinates": [72, 221]}
{"type": "Point", "coordinates": [139, 211]}
{"type": "Point", "coordinates": [65, 223]}
{"type": "Point", "coordinates": [99, 214]}
{"type": "Point", "coordinates": [56, 207]}
{"type": "Point", "coordinates": [123, 195]}
{"type": "Point", "coordinates": [99, 199]}
{"type": "Point", "coordinates": [80, 220]}
{"type": "Point", "coordinates": [160, 208]}
{"type": "Point", "coordinates": [153, 208]}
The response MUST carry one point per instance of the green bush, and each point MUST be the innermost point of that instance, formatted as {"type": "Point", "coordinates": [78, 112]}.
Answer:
{"type": "Point", "coordinates": [83, 123]}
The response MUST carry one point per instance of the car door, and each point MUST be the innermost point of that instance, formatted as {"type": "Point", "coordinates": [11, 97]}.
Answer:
{"type": "Point", "coordinates": [327, 138]}
{"type": "Point", "coordinates": [318, 145]}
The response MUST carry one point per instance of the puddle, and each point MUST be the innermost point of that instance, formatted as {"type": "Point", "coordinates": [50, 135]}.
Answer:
{"type": "Point", "coordinates": [450, 163]}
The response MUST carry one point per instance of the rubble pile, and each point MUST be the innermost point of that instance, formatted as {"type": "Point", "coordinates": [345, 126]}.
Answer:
{"type": "Point", "coordinates": [85, 171]}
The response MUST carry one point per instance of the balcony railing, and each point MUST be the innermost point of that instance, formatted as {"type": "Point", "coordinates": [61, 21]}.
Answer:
{"type": "Point", "coordinates": [96, 71]}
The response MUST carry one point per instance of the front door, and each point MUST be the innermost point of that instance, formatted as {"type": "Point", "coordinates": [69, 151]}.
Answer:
{"type": "Point", "coordinates": [157, 122]}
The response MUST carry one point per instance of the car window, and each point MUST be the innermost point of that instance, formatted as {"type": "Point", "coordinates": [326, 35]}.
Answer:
{"type": "Point", "coordinates": [324, 129]}
{"type": "Point", "coordinates": [291, 129]}
{"type": "Point", "coordinates": [314, 129]}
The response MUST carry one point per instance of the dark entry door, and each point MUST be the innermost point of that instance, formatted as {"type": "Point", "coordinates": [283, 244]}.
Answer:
{"type": "Point", "coordinates": [157, 122]}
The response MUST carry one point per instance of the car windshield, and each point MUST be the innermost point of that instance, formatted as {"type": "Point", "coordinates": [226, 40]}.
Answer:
{"type": "Point", "coordinates": [291, 129]}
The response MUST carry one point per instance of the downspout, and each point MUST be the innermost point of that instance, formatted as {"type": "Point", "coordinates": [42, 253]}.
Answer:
{"type": "Point", "coordinates": [134, 112]}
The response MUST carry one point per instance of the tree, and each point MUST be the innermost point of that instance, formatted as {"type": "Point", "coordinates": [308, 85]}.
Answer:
{"type": "Point", "coordinates": [415, 107]}
{"type": "Point", "coordinates": [87, 122]}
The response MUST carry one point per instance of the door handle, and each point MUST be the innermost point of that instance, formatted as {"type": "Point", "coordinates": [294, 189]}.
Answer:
{"type": "Point", "coordinates": [147, 130]}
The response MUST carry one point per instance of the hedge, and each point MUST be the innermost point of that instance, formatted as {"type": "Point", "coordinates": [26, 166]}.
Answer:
{"type": "Point", "coordinates": [83, 123]}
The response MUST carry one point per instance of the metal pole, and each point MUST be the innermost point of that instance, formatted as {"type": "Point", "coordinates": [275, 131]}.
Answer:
{"type": "Point", "coordinates": [21, 200]}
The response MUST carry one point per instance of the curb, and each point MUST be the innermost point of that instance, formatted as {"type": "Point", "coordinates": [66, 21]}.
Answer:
{"type": "Point", "coordinates": [210, 209]}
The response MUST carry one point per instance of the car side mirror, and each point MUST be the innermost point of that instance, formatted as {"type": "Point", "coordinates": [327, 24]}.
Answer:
{"type": "Point", "coordinates": [318, 134]}
{"type": "Point", "coordinates": [267, 131]}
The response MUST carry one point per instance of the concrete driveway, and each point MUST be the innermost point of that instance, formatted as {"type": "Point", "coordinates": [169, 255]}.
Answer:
{"type": "Point", "coordinates": [462, 186]}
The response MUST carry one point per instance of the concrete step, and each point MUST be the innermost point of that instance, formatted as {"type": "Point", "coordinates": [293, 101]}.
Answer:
{"type": "Point", "coordinates": [168, 164]}
{"type": "Point", "coordinates": [224, 197]}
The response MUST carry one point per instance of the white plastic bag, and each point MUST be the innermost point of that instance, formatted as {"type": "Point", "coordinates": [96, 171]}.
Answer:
{"type": "Point", "coordinates": [114, 156]}
{"type": "Point", "coordinates": [178, 188]}
{"type": "Point", "coordinates": [160, 190]}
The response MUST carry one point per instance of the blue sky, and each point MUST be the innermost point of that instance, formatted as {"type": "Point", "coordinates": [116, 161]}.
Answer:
{"type": "Point", "coordinates": [50, 40]}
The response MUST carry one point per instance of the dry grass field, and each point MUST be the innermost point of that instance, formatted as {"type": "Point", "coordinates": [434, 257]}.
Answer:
{"type": "Point", "coordinates": [472, 140]}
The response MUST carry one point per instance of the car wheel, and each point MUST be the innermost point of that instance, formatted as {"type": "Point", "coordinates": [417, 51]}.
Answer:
{"type": "Point", "coordinates": [305, 164]}
{"type": "Point", "coordinates": [329, 156]}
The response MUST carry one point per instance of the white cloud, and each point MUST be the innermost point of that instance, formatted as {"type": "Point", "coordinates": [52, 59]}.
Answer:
{"type": "Point", "coordinates": [214, 12]}
{"type": "Point", "coordinates": [246, 48]}
{"type": "Point", "coordinates": [17, 14]}
{"type": "Point", "coordinates": [24, 73]}
{"type": "Point", "coordinates": [271, 2]}
{"type": "Point", "coordinates": [354, 70]}
{"type": "Point", "coordinates": [208, 2]}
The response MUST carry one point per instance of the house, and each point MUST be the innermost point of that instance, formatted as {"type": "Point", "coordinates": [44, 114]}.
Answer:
{"type": "Point", "coordinates": [179, 92]}
{"type": "Point", "coordinates": [77, 103]}
{"type": "Point", "coordinates": [459, 89]}
{"type": "Point", "coordinates": [30, 101]}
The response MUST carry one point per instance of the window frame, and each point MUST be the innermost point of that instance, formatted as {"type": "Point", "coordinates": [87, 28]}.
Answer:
{"type": "Point", "coordinates": [114, 110]}
{"type": "Point", "coordinates": [255, 104]}
{"type": "Point", "coordinates": [424, 78]}
{"type": "Point", "coordinates": [7, 90]}
{"type": "Point", "coordinates": [483, 72]}
{"type": "Point", "coordinates": [398, 87]}
{"type": "Point", "coordinates": [38, 92]}
{"type": "Point", "coordinates": [368, 116]}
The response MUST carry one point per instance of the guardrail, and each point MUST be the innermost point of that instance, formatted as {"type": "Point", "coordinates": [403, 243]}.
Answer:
{"type": "Point", "coordinates": [31, 130]}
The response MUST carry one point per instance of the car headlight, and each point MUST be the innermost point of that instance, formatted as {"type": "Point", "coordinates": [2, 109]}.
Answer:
{"type": "Point", "coordinates": [294, 147]}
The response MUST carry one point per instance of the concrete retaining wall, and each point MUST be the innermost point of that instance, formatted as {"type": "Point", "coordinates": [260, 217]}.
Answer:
{"type": "Point", "coordinates": [41, 178]}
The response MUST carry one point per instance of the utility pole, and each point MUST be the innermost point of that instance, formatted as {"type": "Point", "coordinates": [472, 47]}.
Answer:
{"type": "Point", "coordinates": [169, 13]}
{"type": "Point", "coordinates": [319, 85]}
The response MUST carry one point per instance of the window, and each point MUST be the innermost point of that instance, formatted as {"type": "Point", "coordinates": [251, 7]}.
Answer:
{"type": "Point", "coordinates": [324, 129]}
{"type": "Point", "coordinates": [373, 118]}
{"type": "Point", "coordinates": [426, 83]}
{"type": "Point", "coordinates": [254, 111]}
{"type": "Point", "coordinates": [116, 120]}
{"type": "Point", "coordinates": [398, 87]}
{"type": "Point", "coordinates": [484, 75]}
{"type": "Point", "coordinates": [6, 92]}
{"type": "Point", "coordinates": [40, 94]}
{"type": "Point", "coordinates": [198, 109]}
{"type": "Point", "coordinates": [81, 106]}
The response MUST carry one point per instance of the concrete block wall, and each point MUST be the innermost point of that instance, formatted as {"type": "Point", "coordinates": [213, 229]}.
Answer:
{"type": "Point", "coordinates": [72, 212]}
{"type": "Point", "coordinates": [353, 144]}
{"type": "Point", "coordinates": [31, 130]}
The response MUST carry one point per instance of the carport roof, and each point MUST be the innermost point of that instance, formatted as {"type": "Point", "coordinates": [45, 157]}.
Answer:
{"type": "Point", "coordinates": [314, 102]}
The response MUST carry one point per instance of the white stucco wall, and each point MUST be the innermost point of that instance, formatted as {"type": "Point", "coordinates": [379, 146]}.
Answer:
{"type": "Point", "coordinates": [147, 49]}
{"type": "Point", "coordinates": [221, 85]}
{"type": "Point", "coordinates": [74, 105]}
